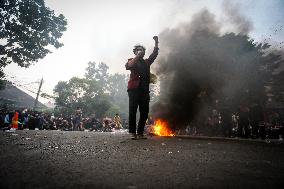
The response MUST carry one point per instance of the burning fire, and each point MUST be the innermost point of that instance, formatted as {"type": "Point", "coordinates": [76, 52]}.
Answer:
{"type": "Point", "coordinates": [161, 128]}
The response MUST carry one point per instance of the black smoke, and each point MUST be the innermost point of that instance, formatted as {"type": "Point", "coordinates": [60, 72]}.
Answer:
{"type": "Point", "coordinates": [199, 66]}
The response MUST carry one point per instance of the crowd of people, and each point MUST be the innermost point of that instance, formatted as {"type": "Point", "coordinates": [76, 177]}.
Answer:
{"type": "Point", "coordinates": [246, 123]}
{"type": "Point", "coordinates": [35, 120]}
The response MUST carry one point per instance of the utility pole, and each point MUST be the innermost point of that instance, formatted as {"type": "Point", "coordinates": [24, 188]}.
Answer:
{"type": "Point", "coordinates": [36, 100]}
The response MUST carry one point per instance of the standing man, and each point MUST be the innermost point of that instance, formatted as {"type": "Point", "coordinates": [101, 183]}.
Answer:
{"type": "Point", "coordinates": [138, 87]}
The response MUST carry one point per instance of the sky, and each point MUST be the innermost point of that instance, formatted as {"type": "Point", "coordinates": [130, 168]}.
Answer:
{"type": "Point", "coordinates": [106, 31]}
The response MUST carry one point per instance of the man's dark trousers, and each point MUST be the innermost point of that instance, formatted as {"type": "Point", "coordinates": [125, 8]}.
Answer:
{"type": "Point", "coordinates": [138, 98]}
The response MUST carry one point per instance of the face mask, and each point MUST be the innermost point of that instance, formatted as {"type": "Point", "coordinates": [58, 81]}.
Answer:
{"type": "Point", "coordinates": [138, 51]}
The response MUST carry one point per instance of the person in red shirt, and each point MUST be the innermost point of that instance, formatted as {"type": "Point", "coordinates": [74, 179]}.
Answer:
{"type": "Point", "coordinates": [15, 120]}
{"type": "Point", "coordinates": [138, 87]}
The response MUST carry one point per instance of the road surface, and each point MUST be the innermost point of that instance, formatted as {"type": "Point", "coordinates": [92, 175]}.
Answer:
{"type": "Point", "coordinates": [57, 159]}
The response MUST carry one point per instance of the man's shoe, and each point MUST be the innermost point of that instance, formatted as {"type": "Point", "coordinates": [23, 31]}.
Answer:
{"type": "Point", "coordinates": [141, 136]}
{"type": "Point", "coordinates": [133, 136]}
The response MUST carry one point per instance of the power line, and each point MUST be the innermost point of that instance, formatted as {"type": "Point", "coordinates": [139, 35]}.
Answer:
{"type": "Point", "coordinates": [22, 87]}
{"type": "Point", "coordinates": [30, 84]}
{"type": "Point", "coordinates": [26, 85]}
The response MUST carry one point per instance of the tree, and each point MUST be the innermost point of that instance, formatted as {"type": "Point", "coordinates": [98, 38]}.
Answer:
{"type": "Point", "coordinates": [83, 93]}
{"type": "Point", "coordinates": [2, 81]}
{"type": "Point", "coordinates": [69, 95]}
{"type": "Point", "coordinates": [28, 28]}
{"type": "Point", "coordinates": [98, 93]}
{"type": "Point", "coordinates": [113, 84]}
{"type": "Point", "coordinates": [118, 92]}
{"type": "Point", "coordinates": [276, 88]}
{"type": "Point", "coordinates": [99, 73]}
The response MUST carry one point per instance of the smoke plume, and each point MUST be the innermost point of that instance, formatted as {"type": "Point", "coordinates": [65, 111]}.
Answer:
{"type": "Point", "coordinates": [199, 65]}
{"type": "Point", "coordinates": [233, 14]}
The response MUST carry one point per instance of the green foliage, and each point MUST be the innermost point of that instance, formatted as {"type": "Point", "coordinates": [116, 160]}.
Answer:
{"type": "Point", "coordinates": [47, 96]}
{"type": "Point", "coordinates": [114, 109]}
{"type": "Point", "coordinates": [71, 94]}
{"type": "Point", "coordinates": [99, 73]}
{"type": "Point", "coordinates": [242, 71]}
{"type": "Point", "coordinates": [118, 92]}
{"type": "Point", "coordinates": [27, 29]}
{"type": "Point", "coordinates": [98, 93]}
{"type": "Point", "coordinates": [2, 80]}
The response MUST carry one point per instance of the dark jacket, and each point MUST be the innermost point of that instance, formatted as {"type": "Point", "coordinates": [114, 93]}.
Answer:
{"type": "Point", "coordinates": [140, 72]}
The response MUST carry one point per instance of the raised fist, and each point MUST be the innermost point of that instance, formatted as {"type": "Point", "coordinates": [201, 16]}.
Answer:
{"type": "Point", "coordinates": [155, 38]}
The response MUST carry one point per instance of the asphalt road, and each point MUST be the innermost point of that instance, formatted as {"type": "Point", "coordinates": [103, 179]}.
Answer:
{"type": "Point", "coordinates": [56, 159]}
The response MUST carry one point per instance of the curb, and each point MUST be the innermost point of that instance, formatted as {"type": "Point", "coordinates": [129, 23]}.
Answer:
{"type": "Point", "coordinates": [267, 141]}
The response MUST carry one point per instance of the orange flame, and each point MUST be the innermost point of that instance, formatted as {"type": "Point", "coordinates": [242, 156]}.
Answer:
{"type": "Point", "coordinates": [161, 128]}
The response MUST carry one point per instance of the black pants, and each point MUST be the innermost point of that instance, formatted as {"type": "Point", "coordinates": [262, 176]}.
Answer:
{"type": "Point", "coordinates": [138, 99]}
